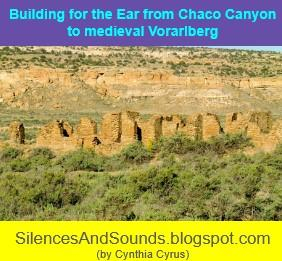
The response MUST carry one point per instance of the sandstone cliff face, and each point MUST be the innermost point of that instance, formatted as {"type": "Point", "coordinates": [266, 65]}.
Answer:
{"type": "Point", "coordinates": [46, 88]}
{"type": "Point", "coordinates": [145, 83]}
{"type": "Point", "coordinates": [37, 87]}
{"type": "Point", "coordinates": [163, 78]}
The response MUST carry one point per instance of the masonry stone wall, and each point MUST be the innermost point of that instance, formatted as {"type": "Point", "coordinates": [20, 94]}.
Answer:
{"type": "Point", "coordinates": [264, 141]}
{"type": "Point", "coordinates": [111, 128]}
{"type": "Point", "coordinates": [263, 120]}
{"type": "Point", "coordinates": [264, 134]}
{"type": "Point", "coordinates": [259, 126]}
{"type": "Point", "coordinates": [210, 126]}
{"type": "Point", "coordinates": [170, 125]}
{"type": "Point", "coordinates": [277, 127]}
{"type": "Point", "coordinates": [194, 127]}
{"type": "Point", "coordinates": [129, 127]}
{"type": "Point", "coordinates": [119, 129]}
{"type": "Point", "coordinates": [236, 122]}
{"type": "Point", "coordinates": [151, 129]}
{"type": "Point", "coordinates": [87, 132]}
{"type": "Point", "coordinates": [57, 135]}
{"type": "Point", "coordinates": [17, 132]}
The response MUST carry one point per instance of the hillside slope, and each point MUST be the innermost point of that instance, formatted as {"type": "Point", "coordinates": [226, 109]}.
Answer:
{"type": "Point", "coordinates": [147, 80]}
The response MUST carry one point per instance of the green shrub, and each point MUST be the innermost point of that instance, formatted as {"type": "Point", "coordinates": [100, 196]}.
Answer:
{"type": "Point", "coordinates": [181, 144]}
{"type": "Point", "coordinates": [20, 165]}
{"type": "Point", "coordinates": [192, 187]}
{"type": "Point", "coordinates": [114, 163]}
{"type": "Point", "coordinates": [160, 181]}
{"type": "Point", "coordinates": [26, 196]}
{"type": "Point", "coordinates": [178, 144]}
{"type": "Point", "coordinates": [274, 159]}
{"type": "Point", "coordinates": [82, 160]}
{"type": "Point", "coordinates": [135, 153]}
{"type": "Point", "coordinates": [56, 190]}
{"type": "Point", "coordinates": [44, 152]}
{"type": "Point", "coordinates": [40, 162]}
{"type": "Point", "coordinates": [10, 153]}
{"type": "Point", "coordinates": [224, 143]}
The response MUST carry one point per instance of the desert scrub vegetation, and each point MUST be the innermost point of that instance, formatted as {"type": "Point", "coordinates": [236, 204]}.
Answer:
{"type": "Point", "coordinates": [135, 153]}
{"type": "Point", "coordinates": [176, 179]}
{"type": "Point", "coordinates": [181, 144]}
{"type": "Point", "coordinates": [225, 62]}
{"type": "Point", "coordinates": [25, 196]}
{"type": "Point", "coordinates": [82, 160]}
{"type": "Point", "coordinates": [10, 153]}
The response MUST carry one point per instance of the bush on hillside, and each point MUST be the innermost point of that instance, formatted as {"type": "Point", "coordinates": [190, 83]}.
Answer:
{"type": "Point", "coordinates": [82, 160]}
{"type": "Point", "coordinates": [181, 144]}
{"type": "Point", "coordinates": [44, 152]}
{"type": "Point", "coordinates": [20, 165]}
{"type": "Point", "coordinates": [135, 153]}
{"type": "Point", "coordinates": [10, 153]}
{"type": "Point", "coordinates": [23, 196]}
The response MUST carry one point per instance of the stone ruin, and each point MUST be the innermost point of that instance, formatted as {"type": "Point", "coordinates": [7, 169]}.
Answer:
{"type": "Point", "coordinates": [120, 129]}
{"type": "Point", "coordinates": [87, 133]}
{"type": "Point", "coordinates": [149, 130]}
{"type": "Point", "coordinates": [17, 132]}
{"type": "Point", "coordinates": [56, 135]}
{"type": "Point", "coordinates": [171, 124]}
{"type": "Point", "coordinates": [197, 126]}
{"type": "Point", "coordinates": [111, 128]}
{"type": "Point", "coordinates": [264, 132]}
{"type": "Point", "coordinates": [242, 121]}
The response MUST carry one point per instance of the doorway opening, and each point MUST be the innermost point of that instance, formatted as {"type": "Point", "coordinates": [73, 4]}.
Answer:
{"type": "Point", "coordinates": [65, 133]}
{"type": "Point", "coordinates": [139, 133]}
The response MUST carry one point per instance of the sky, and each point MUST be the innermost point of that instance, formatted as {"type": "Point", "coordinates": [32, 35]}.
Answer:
{"type": "Point", "coordinates": [258, 48]}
